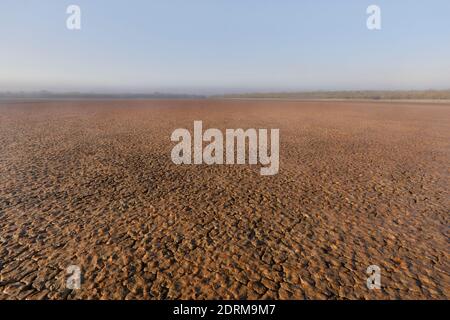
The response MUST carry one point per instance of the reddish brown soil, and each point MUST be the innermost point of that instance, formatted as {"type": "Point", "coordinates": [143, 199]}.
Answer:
{"type": "Point", "coordinates": [93, 184]}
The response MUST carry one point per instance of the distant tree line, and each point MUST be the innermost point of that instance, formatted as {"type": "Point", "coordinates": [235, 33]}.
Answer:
{"type": "Point", "coordinates": [364, 95]}
{"type": "Point", "coordinates": [79, 95]}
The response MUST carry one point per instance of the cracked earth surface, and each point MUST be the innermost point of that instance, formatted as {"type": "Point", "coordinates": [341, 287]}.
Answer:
{"type": "Point", "coordinates": [92, 184]}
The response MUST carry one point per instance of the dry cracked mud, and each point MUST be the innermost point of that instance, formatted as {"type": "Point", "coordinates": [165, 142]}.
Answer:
{"type": "Point", "coordinates": [92, 184]}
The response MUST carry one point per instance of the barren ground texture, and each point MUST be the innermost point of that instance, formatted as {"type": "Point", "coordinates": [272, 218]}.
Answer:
{"type": "Point", "coordinates": [92, 184]}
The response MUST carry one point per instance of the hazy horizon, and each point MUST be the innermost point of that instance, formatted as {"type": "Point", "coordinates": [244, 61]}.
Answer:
{"type": "Point", "coordinates": [222, 47]}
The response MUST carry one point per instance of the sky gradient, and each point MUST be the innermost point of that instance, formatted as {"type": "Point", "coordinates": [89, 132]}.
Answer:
{"type": "Point", "coordinates": [222, 46]}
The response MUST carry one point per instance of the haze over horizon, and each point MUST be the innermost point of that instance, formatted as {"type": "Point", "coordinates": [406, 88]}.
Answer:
{"type": "Point", "coordinates": [204, 47]}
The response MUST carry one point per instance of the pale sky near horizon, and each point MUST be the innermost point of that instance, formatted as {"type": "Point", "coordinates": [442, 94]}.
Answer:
{"type": "Point", "coordinates": [204, 46]}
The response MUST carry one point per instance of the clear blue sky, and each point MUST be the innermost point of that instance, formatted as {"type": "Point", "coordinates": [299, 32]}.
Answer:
{"type": "Point", "coordinates": [224, 45]}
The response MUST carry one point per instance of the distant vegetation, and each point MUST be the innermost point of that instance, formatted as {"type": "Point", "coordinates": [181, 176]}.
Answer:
{"type": "Point", "coordinates": [79, 95]}
{"type": "Point", "coordinates": [364, 95]}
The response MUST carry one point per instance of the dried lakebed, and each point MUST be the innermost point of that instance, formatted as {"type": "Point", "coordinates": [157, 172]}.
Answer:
{"type": "Point", "coordinates": [92, 184]}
